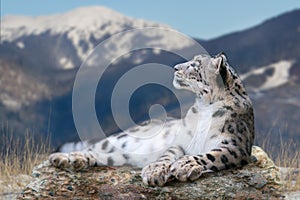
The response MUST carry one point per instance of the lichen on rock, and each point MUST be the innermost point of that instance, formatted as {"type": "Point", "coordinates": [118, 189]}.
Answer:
{"type": "Point", "coordinates": [258, 180]}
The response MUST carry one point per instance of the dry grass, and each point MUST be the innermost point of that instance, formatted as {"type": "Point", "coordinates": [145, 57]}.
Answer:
{"type": "Point", "coordinates": [285, 154]}
{"type": "Point", "coordinates": [18, 156]}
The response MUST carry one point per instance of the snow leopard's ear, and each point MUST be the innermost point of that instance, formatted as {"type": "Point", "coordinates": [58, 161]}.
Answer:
{"type": "Point", "coordinates": [221, 69]}
{"type": "Point", "coordinates": [219, 61]}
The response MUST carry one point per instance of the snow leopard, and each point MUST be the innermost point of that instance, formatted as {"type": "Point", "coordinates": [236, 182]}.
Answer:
{"type": "Point", "coordinates": [217, 132]}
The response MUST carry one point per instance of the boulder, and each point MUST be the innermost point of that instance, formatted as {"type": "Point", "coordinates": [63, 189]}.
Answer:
{"type": "Point", "coordinates": [260, 179]}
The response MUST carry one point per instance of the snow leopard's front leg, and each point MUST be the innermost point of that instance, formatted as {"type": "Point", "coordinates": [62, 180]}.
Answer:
{"type": "Point", "coordinates": [191, 167]}
{"type": "Point", "coordinates": [99, 154]}
{"type": "Point", "coordinates": [158, 172]}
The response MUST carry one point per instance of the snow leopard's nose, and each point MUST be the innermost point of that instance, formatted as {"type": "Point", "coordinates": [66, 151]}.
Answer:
{"type": "Point", "coordinates": [181, 67]}
{"type": "Point", "coordinates": [176, 67]}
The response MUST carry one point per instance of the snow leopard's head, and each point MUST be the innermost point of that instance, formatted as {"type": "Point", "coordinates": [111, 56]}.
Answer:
{"type": "Point", "coordinates": [205, 75]}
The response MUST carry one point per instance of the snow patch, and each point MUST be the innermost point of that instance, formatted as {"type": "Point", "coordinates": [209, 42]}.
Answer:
{"type": "Point", "coordinates": [20, 45]}
{"type": "Point", "coordinates": [10, 103]}
{"type": "Point", "coordinates": [66, 63]}
{"type": "Point", "coordinates": [156, 51]}
{"type": "Point", "coordinates": [280, 76]}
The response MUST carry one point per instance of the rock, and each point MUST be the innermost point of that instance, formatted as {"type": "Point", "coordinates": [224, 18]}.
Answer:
{"type": "Point", "coordinates": [11, 186]}
{"type": "Point", "coordinates": [258, 180]}
{"type": "Point", "coordinates": [291, 179]}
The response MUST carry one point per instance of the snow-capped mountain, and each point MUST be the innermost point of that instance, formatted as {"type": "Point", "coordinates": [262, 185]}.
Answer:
{"type": "Point", "coordinates": [39, 58]}
{"type": "Point", "coordinates": [82, 28]}
{"type": "Point", "coordinates": [64, 40]}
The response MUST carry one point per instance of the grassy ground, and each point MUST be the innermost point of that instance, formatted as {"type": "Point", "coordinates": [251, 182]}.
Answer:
{"type": "Point", "coordinates": [285, 154]}
{"type": "Point", "coordinates": [19, 156]}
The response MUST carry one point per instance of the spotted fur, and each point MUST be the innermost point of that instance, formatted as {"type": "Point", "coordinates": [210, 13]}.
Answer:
{"type": "Point", "coordinates": [216, 134]}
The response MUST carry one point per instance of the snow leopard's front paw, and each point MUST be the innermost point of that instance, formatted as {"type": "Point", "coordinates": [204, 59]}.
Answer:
{"type": "Point", "coordinates": [59, 160]}
{"type": "Point", "coordinates": [74, 161]}
{"type": "Point", "coordinates": [186, 168]}
{"type": "Point", "coordinates": [156, 173]}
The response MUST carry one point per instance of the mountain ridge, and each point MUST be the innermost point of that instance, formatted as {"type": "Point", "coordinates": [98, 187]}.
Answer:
{"type": "Point", "coordinates": [78, 34]}
{"type": "Point", "coordinates": [242, 45]}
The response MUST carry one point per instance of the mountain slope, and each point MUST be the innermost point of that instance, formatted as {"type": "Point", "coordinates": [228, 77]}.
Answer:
{"type": "Point", "coordinates": [273, 40]}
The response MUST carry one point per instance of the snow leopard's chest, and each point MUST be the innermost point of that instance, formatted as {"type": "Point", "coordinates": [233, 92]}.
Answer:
{"type": "Point", "coordinates": [201, 129]}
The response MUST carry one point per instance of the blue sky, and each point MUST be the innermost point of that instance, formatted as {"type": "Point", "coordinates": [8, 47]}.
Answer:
{"type": "Point", "coordinates": [198, 18]}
